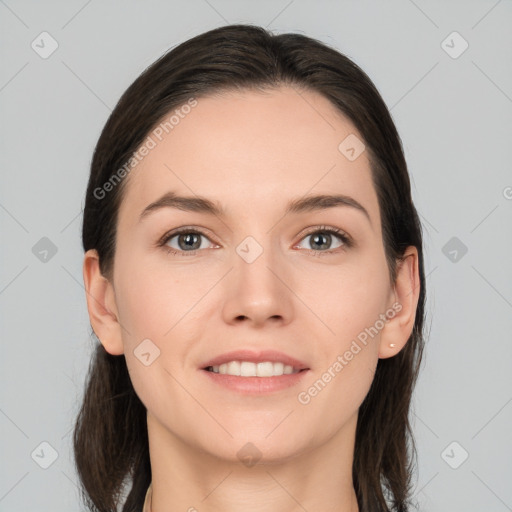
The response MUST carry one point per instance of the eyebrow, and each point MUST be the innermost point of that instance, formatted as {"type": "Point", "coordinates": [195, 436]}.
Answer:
{"type": "Point", "coordinates": [203, 205]}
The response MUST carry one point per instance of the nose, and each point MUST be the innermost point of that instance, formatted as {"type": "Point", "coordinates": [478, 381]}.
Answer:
{"type": "Point", "coordinates": [257, 291]}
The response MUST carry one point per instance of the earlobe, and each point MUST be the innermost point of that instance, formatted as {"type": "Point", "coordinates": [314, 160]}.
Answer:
{"type": "Point", "coordinates": [398, 329]}
{"type": "Point", "coordinates": [101, 305]}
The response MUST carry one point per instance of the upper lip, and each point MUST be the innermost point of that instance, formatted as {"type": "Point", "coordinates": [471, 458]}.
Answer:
{"type": "Point", "coordinates": [252, 356]}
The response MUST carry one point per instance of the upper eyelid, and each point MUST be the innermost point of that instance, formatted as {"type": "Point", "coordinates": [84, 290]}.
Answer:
{"type": "Point", "coordinates": [184, 229]}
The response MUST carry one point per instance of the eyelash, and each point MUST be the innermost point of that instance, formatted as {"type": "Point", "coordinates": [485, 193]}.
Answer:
{"type": "Point", "coordinates": [347, 241]}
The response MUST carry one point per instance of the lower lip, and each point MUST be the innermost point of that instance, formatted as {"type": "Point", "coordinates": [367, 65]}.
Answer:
{"type": "Point", "coordinates": [256, 385]}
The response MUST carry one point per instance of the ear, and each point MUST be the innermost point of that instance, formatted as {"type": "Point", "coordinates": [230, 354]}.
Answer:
{"type": "Point", "coordinates": [101, 305]}
{"type": "Point", "coordinates": [398, 329]}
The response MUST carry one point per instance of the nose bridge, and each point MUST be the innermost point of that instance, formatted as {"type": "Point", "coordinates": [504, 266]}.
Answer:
{"type": "Point", "coordinates": [255, 259]}
{"type": "Point", "coordinates": [257, 291]}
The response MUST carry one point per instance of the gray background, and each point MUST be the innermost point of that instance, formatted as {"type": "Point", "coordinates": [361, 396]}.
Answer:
{"type": "Point", "coordinates": [454, 116]}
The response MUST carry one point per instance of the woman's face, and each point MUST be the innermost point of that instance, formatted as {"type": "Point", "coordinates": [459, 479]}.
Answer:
{"type": "Point", "coordinates": [256, 278]}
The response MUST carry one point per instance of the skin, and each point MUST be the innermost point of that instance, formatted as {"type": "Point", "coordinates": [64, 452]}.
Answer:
{"type": "Point", "coordinates": [251, 152]}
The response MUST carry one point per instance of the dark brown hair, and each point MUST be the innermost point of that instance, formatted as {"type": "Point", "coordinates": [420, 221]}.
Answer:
{"type": "Point", "coordinates": [110, 436]}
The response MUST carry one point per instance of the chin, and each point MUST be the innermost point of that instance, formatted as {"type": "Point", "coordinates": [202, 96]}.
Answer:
{"type": "Point", "coordinates": [260, 448]}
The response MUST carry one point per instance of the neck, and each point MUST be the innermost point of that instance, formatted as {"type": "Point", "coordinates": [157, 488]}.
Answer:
{"type": "Point", "coordinates": [190, 478]}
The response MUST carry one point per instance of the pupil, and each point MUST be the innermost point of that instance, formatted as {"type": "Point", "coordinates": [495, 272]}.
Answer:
{"type": "Point", "coordinates": [319, 237]}
{"type": "Point", "coordinates": [189, 243]}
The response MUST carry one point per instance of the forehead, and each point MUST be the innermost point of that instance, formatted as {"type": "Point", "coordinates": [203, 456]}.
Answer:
{"type": "Point", "coordinates": [252, 149]}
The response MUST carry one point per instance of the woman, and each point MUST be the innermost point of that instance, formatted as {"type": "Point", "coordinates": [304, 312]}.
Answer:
{"type": "Point", "coordinates": [253, 252]}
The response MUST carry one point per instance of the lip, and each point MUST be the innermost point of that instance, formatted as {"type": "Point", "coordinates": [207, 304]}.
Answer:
{"type": "Point", "coordinates": [256, 357]}
{"type": "Point", "coordinates": [255, 385]}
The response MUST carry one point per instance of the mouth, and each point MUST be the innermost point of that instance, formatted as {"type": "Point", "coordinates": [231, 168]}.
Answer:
{"type": "Point", "coordinates": [253, 379]}
{"type": "Point", "coordinates": [262, 369]}
{"type": "Point", "coordinates": [250, 372]}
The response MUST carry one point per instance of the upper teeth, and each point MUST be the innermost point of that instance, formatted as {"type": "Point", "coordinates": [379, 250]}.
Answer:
{"type": "Point", "coordinates": [248, 369]}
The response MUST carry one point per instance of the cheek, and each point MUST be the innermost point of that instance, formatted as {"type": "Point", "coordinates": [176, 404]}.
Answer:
{"type": "Point", "coordinates": [346, 299]}
{"type": "Point", "coordinates": [353, 302]}
{"type": "Point", "coordinates": [342, 379]}
{"type": "Point", "coordinates": [153, 299]}
{"type": "Point", "coordinates": [154, 306]}
{"type": "Point", "coordinates": [334, 393]}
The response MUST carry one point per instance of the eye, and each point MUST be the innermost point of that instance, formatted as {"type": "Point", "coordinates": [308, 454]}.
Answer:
{"type": "Point", "coordinates": [322, 238]}
{"type": "Point", "coordinates": [188, 241]}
